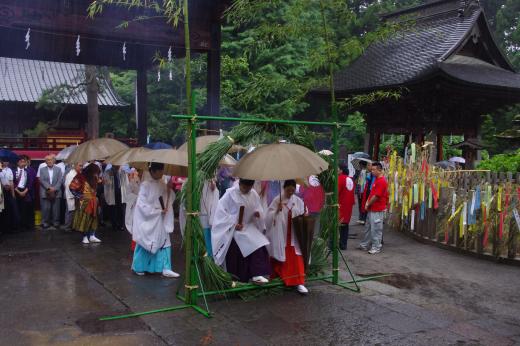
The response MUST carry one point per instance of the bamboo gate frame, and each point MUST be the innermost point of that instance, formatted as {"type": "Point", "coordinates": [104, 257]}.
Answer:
{"type": "Point", "coordinates": [194, 287]}
{"type": "Point", "coordinates": [192, 274]}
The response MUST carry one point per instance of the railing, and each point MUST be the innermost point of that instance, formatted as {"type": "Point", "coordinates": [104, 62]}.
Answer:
{"type": "Point", "coordinates": [50, 143]}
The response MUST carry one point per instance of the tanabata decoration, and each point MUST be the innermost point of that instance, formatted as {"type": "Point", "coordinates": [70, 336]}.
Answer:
{"type": "Point", "coordinates": [467, 205]}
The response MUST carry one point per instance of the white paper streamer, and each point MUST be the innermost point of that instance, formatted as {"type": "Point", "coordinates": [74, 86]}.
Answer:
{"type": "Point", "coordinates": [465, 214]}
{"type": "Point", "coordinates": [453, 201]}
{"type": "Point", "coordinates": [158, 75]}
{"type": "Point", "coordinates": [78, 45]}
{"type": "Point", "coordinates": [396, 184]}
{"type": "Point", "coordinates": [472, 208]}
{"type": "Point", "coordinates": [124, 51]}
{"type": "Point", "coordinates": [28, 38]}
{"type": "Point", "coordinates": [517, 218]}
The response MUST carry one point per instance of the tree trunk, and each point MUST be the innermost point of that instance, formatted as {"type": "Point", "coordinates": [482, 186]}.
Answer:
{"type": "Point", "coordinates": [92, 102]}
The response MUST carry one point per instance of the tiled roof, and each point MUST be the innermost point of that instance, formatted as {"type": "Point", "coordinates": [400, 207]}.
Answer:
{"type": "Point", "coordinates": [476, 71]}
{"type": "Point", "coordinates": [25, 80]}
{"type": "Point", "coordinates": [426, 47]}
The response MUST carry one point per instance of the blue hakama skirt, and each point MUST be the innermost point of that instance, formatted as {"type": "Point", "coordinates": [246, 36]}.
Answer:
{"type": "Point", "coordinates": [145, 261]}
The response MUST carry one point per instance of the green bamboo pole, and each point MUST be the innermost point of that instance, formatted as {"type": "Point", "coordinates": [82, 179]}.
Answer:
{"type": "Point", "coordinates": [250, 287]}
{"type": "Point", "coordinates": [137, 314]}
{"type": "Point", "coordinates": [190, 284]}
{"type": "Point", "coordinates": [259, 120]}
{"type": "Point", "coordinates": [335, 249]}
{"type": "Point", "coordinates": [187, 49]}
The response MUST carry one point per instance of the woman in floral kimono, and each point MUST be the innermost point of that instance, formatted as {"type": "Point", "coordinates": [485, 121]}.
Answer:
{"type": "Point", "coordinates": [84, 187]}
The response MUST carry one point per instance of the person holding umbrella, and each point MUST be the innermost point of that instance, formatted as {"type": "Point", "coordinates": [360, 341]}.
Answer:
{"type": "Point", "coordinates": [284, 249]}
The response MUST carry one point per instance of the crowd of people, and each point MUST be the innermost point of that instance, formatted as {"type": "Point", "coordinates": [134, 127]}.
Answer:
{"type": "Point", "coordinates": [248, 225]}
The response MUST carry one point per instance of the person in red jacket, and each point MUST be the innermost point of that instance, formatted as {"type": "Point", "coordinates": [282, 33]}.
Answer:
{"type": "Point", "coordinates": [346, 200]}
{"type": "Point", "coordinates": [376, 207]}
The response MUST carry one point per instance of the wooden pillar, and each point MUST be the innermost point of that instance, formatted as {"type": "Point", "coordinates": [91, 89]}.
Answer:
{"type": "Point", "coordinates": [141, 106]}
{"type": "Point", "coordinates": [377, 143]}
{"type": "Point", "coordinates": [440, 153]}
{"type": "Point", "coordinates": [213, 76]}
{"type": "Point", "coordinates": [407, 138]}
{"type": "Point", "coordinates": [369, 149]}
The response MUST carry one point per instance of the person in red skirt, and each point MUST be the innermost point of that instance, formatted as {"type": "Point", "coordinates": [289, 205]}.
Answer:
{"type": "Point", "coordinates": [286, 256]}
{"type": "Point", "coordinates": [346, 201]}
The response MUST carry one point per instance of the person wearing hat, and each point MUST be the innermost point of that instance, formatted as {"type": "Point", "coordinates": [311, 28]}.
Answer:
{"type": "Point", "coordinates": [237, 236]}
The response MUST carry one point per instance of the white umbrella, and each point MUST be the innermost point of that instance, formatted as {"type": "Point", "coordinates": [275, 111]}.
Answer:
{"type": "Point", "coordinates": [458, 159]}
{"type": "Point", "coordinates": [326, 152]}
{"type": "Point", "coordinates": [65, 152]}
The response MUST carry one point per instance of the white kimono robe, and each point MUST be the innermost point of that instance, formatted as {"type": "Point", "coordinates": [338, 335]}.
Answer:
{"type": "Point", "coordinates": [250, 238]}
{"type": "Point", "coordinates": [208, 207]}
{"type": "Point", "coordinates": [132, 192]}
{"type": "Point", "coordinates": [276, 225]}
{"type": "Point", "coordinates": [109, 186]}
{"type": "Point", "coordinates": [71, 203]}
{"type": "Point", "coordinates": [151, 228]}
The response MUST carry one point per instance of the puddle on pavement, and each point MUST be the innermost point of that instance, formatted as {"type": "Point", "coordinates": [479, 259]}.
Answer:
{"type": "Point", "coordinates": [401, 281]}
{"type": "Point", "coordinates": [91, 324]}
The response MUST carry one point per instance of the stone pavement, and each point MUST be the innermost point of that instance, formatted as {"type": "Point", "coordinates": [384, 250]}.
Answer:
{"type": "Point", "coordinates": [54, 289]}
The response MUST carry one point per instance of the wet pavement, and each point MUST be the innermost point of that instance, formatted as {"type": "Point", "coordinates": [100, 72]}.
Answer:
{"type": "Point", "coordinates": [54, 290]}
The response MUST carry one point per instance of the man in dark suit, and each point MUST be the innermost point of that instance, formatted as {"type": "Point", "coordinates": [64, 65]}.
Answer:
{"type": "Point", "coordinates": [23, 183]}
{"type": "Point", "coordinates": [51, 180]}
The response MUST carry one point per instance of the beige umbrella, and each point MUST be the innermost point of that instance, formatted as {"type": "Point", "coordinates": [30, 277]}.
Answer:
{"type": "Point", "coordinates": [175, 161]}
{"type": "Point", "coordinates": [125, 156]}
{"type": "Point", "coordinates": [280, 161]}
{"type": "Point", "coordinates": [202, 143]}
{"type": "Point", "coordinates": [96, 149]}
{"type": "Point", "coordinates": [228, 161]}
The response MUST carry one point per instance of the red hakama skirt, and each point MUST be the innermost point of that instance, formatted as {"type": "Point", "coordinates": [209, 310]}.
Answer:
{"type": "Point", "coordinates": [292, 271]}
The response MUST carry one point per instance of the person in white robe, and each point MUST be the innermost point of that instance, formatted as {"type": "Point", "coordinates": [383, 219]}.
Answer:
{"type": "Point", "coordinates": [284, 249]}
{"type": "Point", "coordinates": [70, 200]}
{"type": "Point", "coordinates": [208, 206]}
{"type": "Point", "coordinates": [132, 191]}
{"type": "Point", "coordinates": [115, 182]}
{"type": "Point", "coordinates": [241, 246]}
{"type": "Point", "coordinates": [152, 225]}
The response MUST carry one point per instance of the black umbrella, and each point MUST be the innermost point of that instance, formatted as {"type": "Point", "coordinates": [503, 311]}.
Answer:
{"type": "Point", "coordinates": [445, 165]}
{"type": "Point", "coordinates": [304, 230]}
{"type": "Point", "coordinates": [7, 155]}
